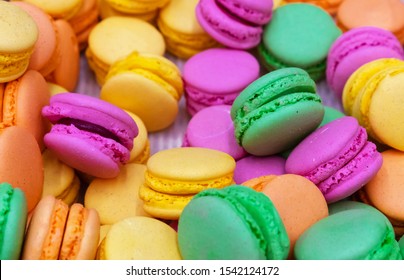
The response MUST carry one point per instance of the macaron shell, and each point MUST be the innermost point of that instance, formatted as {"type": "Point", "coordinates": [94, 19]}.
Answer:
{"type": "Point", "coordinates": [255, 12]}
{"type": "Point", "coordinates": [140, 238]}
{"type": "Point", "coordinates": [82, 233]}
{"type": "Point", "coordinates": [14, 217]}
{"type": "Point", "coordinates": [118, 198]}
{"type": "Point", "coordinates": [21, 163]}
{"type": "Point", "coordinates": [299, 202]}
{"type": "Point", "coordinates": [65, 9]}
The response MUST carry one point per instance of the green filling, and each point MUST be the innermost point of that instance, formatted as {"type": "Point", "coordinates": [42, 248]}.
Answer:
{"type": "Point", "coordinates": [243, 122]}
{"type": "Point", "coordinates": [270, 62]}
{"type": "Point", "coordinates": [389, 249]}
{"type": "Point", "coordinates": [6, 192]}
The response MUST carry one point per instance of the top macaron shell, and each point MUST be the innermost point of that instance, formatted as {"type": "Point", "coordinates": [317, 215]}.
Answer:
{"type": "Point", "coordinates": [226, 29]}
{"type": "Point", "coordinates": [355, 48]}
{"type": "Point", "coordinates": [76, 146]}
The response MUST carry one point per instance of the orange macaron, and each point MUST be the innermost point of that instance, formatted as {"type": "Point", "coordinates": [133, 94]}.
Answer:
{"type": "Point", "coordinates": [56, 231]}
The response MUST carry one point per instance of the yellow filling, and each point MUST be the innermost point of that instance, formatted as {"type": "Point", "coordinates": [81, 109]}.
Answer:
{"type": "Point", "coordinates": [14, 63]}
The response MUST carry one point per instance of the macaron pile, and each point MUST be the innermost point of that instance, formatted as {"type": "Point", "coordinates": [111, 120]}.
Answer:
{"type": "Point", "coordinates": [201, 129]}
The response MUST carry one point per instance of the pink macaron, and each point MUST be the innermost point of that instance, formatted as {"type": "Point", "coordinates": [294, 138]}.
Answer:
{"type": "Point", "coordinates": [337, 157]}
{"type": "Point", "coordinates": [250, 167]}
{"type": "Point", "coordinates": [355, 48]}
{"type": "Point", "coordinates": [217, 76]}
{"type": "Point", "coordinates": [89, 134]}
{"type": "Point", "coordinates": [213, 128]}
{"type": "Point", "coordinates": [234, 23]}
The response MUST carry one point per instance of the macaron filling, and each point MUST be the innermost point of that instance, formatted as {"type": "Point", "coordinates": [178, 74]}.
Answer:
{"type": "Point", "coordinates": [5, 208]}
{"type": "Point", "coordinates": [209, 99]}
{"type": "Point", "coordinates": [253, 15]}
{"type": "Point", "coordinates": [387, 250]}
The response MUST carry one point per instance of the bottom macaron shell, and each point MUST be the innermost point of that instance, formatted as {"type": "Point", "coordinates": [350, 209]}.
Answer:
{"type": "Point", "coordinates": [280, 130]}
{"type": "Point", "coordinates": [87, 152]}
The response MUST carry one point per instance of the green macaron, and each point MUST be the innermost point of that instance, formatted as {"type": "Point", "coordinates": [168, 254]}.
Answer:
{"type": "Point", "coordinates": [276, 111]}
{"type": "Point", "coordinates": [350, 232]}
{"type": "Point", "coordinates": [13, 217]}
{"type": "Point", "coordinates": [298, 35]}
{"type": "Point", "coordinates": [236, 222]}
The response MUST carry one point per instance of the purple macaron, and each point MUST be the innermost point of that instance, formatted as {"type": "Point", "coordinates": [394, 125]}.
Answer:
{"type": "Point", "coordinates": [217, 76]}
{"type": "Point", "coordinates": [355, 48]}
{"type": "Point", "coordinates": [213, 128]}
{"type": "Point", "coordinates": [337, 157]}
{"type": "Point", "coordinates": [89, 134]}
{"type": "Point", "coordinates": [234, 23]}
{"type": "Point", "coordinates": [251, 167]}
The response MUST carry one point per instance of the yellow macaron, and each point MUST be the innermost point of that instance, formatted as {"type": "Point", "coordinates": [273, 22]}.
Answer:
{"type": "Point", "coordinates": [141, 144]}
{"type": "Point", "coordinates": [373, 95]}
{"type": "Point", "coordinates": [18, 35]}
{"type": "Point", "coordinates": [136, 6]}
{"type": "Point", "coordinates": [182, 32]}
{"type": "Point", "coordinates": [174, 175]}
{"type": "Point", "coordinates": [65, 9]}
{"type": "Point", "coordinates": [116, 37]}
{"type": "Point", "coordinates": [106, 10]}
{"type": "Point", "coordinates": [118, 198]}
{"type": "Point", "coordinates": [147, 85]}
{"type": "Point", "coordinates": [139, 238]}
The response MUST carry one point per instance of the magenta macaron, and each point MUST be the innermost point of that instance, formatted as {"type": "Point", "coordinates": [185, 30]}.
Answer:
{"type": "Point", "coordinates": [355, 48]}
{"type": "Point", "coordinates": [213, 128]}
{"type": "Point", "coordinates": [234, 23]}
{"type": "Point", "coordinates": [217, 76]}
{"type": "Point", "coordinates": [337, 157]}
{"type": "Point", "coordinates": [89, 134]}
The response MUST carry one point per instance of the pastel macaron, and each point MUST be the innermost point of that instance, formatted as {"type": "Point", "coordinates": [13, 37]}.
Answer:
{"type": "Point", "coordinates": [18, 36]}
{"type": "Point", "coordinates": [175, 175]}
{"type": "Point", "coordinates": [250, 167]}
{"type": "Point", "coordinates": [141, 144]}
{"type": "Point", "coordinates": [116, 37]}
{"type": "Point", "coordinates": [288, 39]}
{"type": "Point", "coordinates": [213, 128]}
{"type": "Point", "coordinates": [59, 232]}
{"type": "Point", "coordinates": [58, 10]}
{"type": "Point", "coordinates": [13, 209]}
{"type": "Point", "coordinates": [128, 80]}
{"type": "Point", "coordinates": [117, 198]}
{"type": "Point", "coordinates": [353, 234]}
{"type": "Point", "coordinates": [373, 13]}
{"type": "Point", "coordinates": [339, 164]}
{"type": "Point", "coordinates": [235, 24]}
{"type": "Point", "coordinates": [372, 95]}
{"type": "Point", "coordinates": [233, 223]}
{"type": "Point", "coordinates": [217, 76]}
{"type": "Point", "coordinates": [89, 134]}
{"type": "Point", "coordinates": [139, 238]}
{"type": "Point", "coordinates": [282, 103]}
{"type": "Point", "coordinates": [183, 34]}
{"type": "Point", "coordinates": [385, 190]}
{"type": "Point", "coordinates": [355, 48]}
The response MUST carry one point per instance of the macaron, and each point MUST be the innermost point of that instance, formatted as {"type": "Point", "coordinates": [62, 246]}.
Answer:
{"type": "Point", "coordinates": [372, 95]}
{"type": "Point", "coordinates": [117, 198]}
{"type": "Point", "coordinates": [355, 48]}
{"type": "Point", "coordinates": [59, 232]}
{"type": "Point", "coordinates": [235, 24]}
{"type": "Point", "coordinates": [175, 175]}
{"type": "Point", "coordinates": [183, 34]}
{"type": "Point", "coordinates": [137, 6]}
{"type": "Point", "coordinates": [299, 202]}
{"type": "Point", "coordinates": [60, 179]}
{"type": "Point", "coordinates": [310, 33]}
{"type": "Point", "coordinates": [232, 223]}
{"type": "Point", "coordinates": [372, 13]}
{"type": "Point", "coordinates": [13, 214]}
{"type": "Point", "coordinates": [338, 163]}
{"type": "Point", "coordinates": [250, 167]}
{"type": "Point", "coordinates": [139, 238]}
{"type": "Point", "coordinates": [22, 100]}
{"type": "Point", "coordinates": [58, 9]}
{"type": "Point", "coordinates": [213, 128]}
{"type": "Point", "coordinates": [385, 191]}
{"type": "Point", "coordinates": [89, 134]}
{"type": "Point", "coordinates": [141, 144]}
{"type": "Point", "coordinates": [107, 10]}
{"type": "Point", "coordinates": [217, 76]}
{"type": "Point", "coordinates": [401, 243]}
{"type": "Point", "coordinates": [18, 36]}
{"type": "Point", "coordinates": [21, 163]}
{"type": "Point", "coordinates": [355, 234]}
{"type": "Point", "coordinates": [130, 78]}
{"type": "Point", "coordinates": [116, 37]}
{"type": "Point", "coordinates": [282, 103]}
{"type": "Point", "coordinates": [331, 6]}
